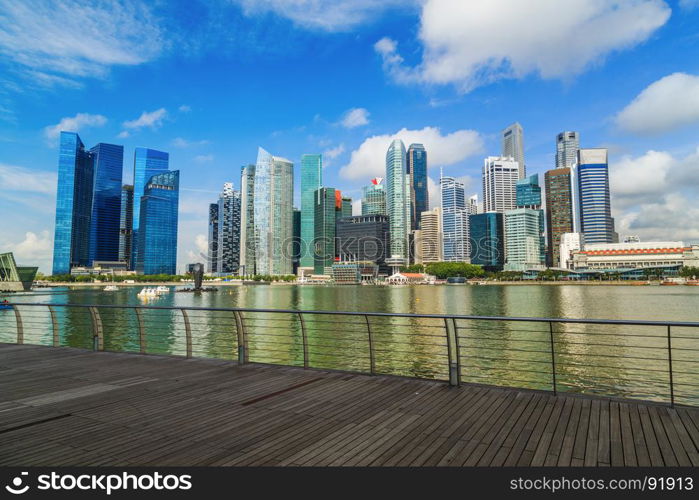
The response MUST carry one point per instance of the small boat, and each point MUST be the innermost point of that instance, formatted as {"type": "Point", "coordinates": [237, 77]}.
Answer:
{"type": "Point", "coordinates": [692, 283]}
{"type": "Point", "coordinates": [110, 288]}
{"type": "Point", "coordinates": [162, 289]}
{"type": "Point", "coordinates": [148, 292]}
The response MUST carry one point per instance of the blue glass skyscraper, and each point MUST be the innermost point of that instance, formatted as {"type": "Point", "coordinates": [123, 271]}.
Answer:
{"type": "Point", "coordinates": [157, 233]}
{"type": "Point", "coordinates": [108, 160]}
{"type": "Point", "coordinates": [398, 200]}
{"type": "Point", "coordinates": [528, 192]}
{"type": "Point", "coordinates": [71, 243]}
{"type": "Point", "coordinates": [455, 222]}
{"type": "Point", "coordinates": [417, 170]}
{"type": "Point", "coordinates": [594, 206]}
{"type": "Point", "coordinates": [146, 164]}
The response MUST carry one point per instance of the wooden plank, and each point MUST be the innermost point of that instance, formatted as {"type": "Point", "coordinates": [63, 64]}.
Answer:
{"type": "Point", "coordinates": [639, 439]}
{"type": "Point", "coordinates": [627, 441]}
{"type": "Point", "coordinates": [603, 437]}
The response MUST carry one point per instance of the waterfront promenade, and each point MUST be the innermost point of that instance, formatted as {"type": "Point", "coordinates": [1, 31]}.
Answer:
{"type": "Point", "coordinates": [67, 406]}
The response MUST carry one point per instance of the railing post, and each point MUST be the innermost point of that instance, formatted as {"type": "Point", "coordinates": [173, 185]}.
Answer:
{"type": "Point", "coordinates": [669, 364]}
{"type": "Point", "coordinates": [141, 332]}
{"type": "Point", "coordinates": [20, 326]}
{"type": "Point", "coordinates": [452, 351]}
{"type": "Point", "coordinates": [54, 325]}
{"type": "Point", "coordinates": [187, 332]}
{"type": "Point", "coordinates": [97, 333]}
{"type": "Point", "coordinates": [370, 339]}
{"type": "Point", "coordinates": [304, 337]}
{"type": "Point", "coordinates": [240, 330]}
{"type": "Point", "coordinates": [553, 358]}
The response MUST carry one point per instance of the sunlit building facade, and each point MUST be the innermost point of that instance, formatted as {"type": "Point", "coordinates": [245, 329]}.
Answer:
{"type": "Point", "coordinates": [596, 221]}
{"type": "Point", "coordinates": [398, 200]}
{"type": "Point", "coordinates": [455, 220]}
{"type": "Point", "coordinates": [228, 248]}
{"type": "Point", "coordinates": [513, 146]}
{"type": "Point", "coordinates": [374, 198]}
{"type": "Point", "coordinates": [247, 220]}
{"type": "Point", "coordinates": [108, 161]}
{"type": "Point", "coordinates": [311, 181]}
{"type": "Point", "coordinates": [500, 176]}
{"type": "Point", "coordinates": [416, 159]}
{"type": "Point", "coordinates": [126, 224]}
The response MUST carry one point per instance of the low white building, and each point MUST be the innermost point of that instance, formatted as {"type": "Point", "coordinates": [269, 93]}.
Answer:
{"type": "Point", "coordinates": [570, 242]}
{"type": "Point", "coordinates": [636, 255]}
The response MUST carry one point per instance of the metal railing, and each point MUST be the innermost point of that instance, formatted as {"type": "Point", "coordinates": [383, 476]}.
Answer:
{"type": "Point", "coordinates": [651, 360]}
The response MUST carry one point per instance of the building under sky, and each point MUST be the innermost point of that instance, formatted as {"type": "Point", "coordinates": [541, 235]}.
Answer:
{"type": "Point", "coordinates": [594, 205]}
{"type": "Point", "coordinates": [500, 175]}
{"type": "Point", "coordinates": [454, 220]}
{"type": "Point", "coordinates": [212, 249]}
{"type": "Point", "coordinates": [567, 146]}
{"type": "Point", "coordinates": [513, 145]}
{"type": "Point", "coordinates": [325, 217]}
{"type": "Point", "coordinates": [374, 198]}
{"type": "Point", "coordinates": [126, 224]}
{"type": "Point", "coordinates": [108, 161]}
{"type": "Point", "coordinates": [559, 210]}
{"type": "Point", "coordinates": [398, 199]}
{"type": "Point", "coordinates": [416, 158]}
{"type": "Point", "coordinates": [228, 247]}
{"type": "Point", "coordinates": [247, 220]}
{"type": "Point", "coordinates": [311, 181]}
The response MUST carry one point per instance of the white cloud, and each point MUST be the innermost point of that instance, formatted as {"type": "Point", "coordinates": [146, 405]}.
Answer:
{"type": "Point", "coordinates": [14, 178]}
{"type": "Point", "coordinates": [123, 134]}
{"type": "Point", "coordinates": [434, 194]}
{"type": "Point", "coordinates": [357, 207]}
{"type": "Point", "coordinates": [180, 142]}
{"type": "Point", "coordinates": [152, 119]}
{"type": "Point", "coordinates": [633, 180]}
{"type": "Point", "coordinates": [34, 249]}
{"type": "Point", "coordinates": [325, 15]}
{"type": "Point", "coordinates": [74, 124]}
{"type": "Point", "coordinates": [355, 117]}
{"type": "Point", "coordinates": [689, 4]}
{"type": "Point", "coordinates": [666, 104]}
{"type": "Point", "coordinates": [184, 109]}
{"type": "Point", "coordinates": [331, 154]}
{"type": "Point", "coordinates": [368, 160]}
{"type": "Point", "coordinates": [204, 158]}
{"type": "Point", "coordinates": [76, 37]}
{"type": "Point", "coordinates": [473, 43]}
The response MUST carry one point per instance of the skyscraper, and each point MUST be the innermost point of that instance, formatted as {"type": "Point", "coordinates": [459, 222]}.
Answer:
{"type": "Point", "coordinates": [247, 220]}
{"type": "Point", "coordinates": [398, 200]}
{"type": "Point", "coordinates": [73, 204]}
{"type": "Point", "coordinates": [126, 224]}
{"type": "Point", "coordinates": [567, 146]}
{"type": "Point", "coordinates": [455, 220]}
{"type": "Point", "coordinates": [559, 210]}
{"type": "Point", "coordinates": [212, 251]}
{"type": "Point", "coordinates": [157, 234]}
{"type": "Point", "coordinates": [500, 177]}
{"type": "Point", "coordinates": [273, 213]}
{"type": "Point", "coordinates": [596, 221]}
{"type": "Point", "coordinates": [374, 198]}
{"type": "Point", "coordinates": [417, 170]}
{"type": "Point", "coordinates": [311, 181]}
{"type": "Point", "coordinates": [146, 164]}
{"type": "Point", "coordinates": [296, 245]}
{"type": "Point", "coordinates": [429, 246]}
{"type": "Point", "coordinates": [108, 161]}
{"type": "Point", "coordinates": [346, 206]}
{"type": "Point", "coordinates": [228, 249]}
{"type": "Point", "coordinates": [363, 238]}
{"type": "Point", "coordinates": [528, 192]}
{"type": "Point", "coordinates": [528, 197]}
{"type": "Point", "coordinates": [325, 217]}
{"type": "Point", "coordinates": [513, 145]}
{"type": "Point", "coordinates": [487, 240]}
{"type": "Point", "coordinates": [523, 241]}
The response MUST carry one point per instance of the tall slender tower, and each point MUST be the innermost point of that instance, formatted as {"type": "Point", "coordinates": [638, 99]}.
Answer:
{"type": "Point", "coordinates": [513, 145]}
{"type": "Point", "coordinates": [106, 202]}
{"type": "Point", "coordinates": [247, 220]}
{"type": "Point", "coordinates": [212, 254]}
{"type": "Point", "coordinates": [398, 200]}
{"type": "Point", "coordinates": [567, 147]}
{"type": "Point", "coordinates": [228, 248]}
{"type": "Point", "coordinates": [417, 170]}
{"type": "Point", "coordinates": [559, 210]}
{"type": "Point", "coordinates": [311, 181]}
{"type": "Point", "coordinates": [454, 220]}
{"type": "Point", "coordinates": [592, 171]}
{"type": "Point", "coordinates": [500, 176]}
{"type": "Point", "coordinates": [126, 224]}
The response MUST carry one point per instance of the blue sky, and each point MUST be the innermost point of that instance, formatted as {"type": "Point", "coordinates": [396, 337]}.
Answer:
{"type": "Point", "coordinates": [211, 81]}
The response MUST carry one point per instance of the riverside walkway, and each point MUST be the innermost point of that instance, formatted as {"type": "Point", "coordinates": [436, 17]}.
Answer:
{"type": "Point", "coordinates": [67, 406]}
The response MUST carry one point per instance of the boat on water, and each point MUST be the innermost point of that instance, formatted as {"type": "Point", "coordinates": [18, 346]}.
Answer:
{"type": "Point", "coordinates": [162, 289]}
{"type": "Point", "coordinates": [110, 288]}
{"type": "Point", "coordinates": [148, 292]}
{"type": "Point", "coordinates": [692, 283]}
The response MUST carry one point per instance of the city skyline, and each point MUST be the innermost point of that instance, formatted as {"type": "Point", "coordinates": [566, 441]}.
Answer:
{"type": "Point", "coordinates": [653, 156]}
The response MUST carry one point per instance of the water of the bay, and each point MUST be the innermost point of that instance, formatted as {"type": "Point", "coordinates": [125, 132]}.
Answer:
{"type": "Point", "coordinates": [618, 360]}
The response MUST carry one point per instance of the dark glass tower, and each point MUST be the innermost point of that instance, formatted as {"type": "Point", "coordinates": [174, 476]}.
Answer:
{"type": "Point", "coordinates": [157, 235]}
{"type": "Point", "coordinates": [146, 164]}
{"type": "Point", "coordinates": [417, 170]}
{"type": "Point", "coordinates": [108, 161]}
{"type": "Point", "coordinates": [126, 224]}
{"type": "Point", "coordinates": [212, 257]}
{"type": "Point", "coordinates": [324, 235]}
{"type": "Point", "coordinates": [364, 238]}
{"type": "Point", "coordinates": [559, 210]}
{"type": "Point", "coordinates": [71, 243]}
{"type": "Point", "coordinates": [487, 240]}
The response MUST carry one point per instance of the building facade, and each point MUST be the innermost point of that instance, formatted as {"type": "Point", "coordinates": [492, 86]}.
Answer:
{"type": "Point", "coordinates": [325, 217]}
{"type": "Point", "coordinates": [212, 250]}
{"type": "Point", "coordinates": [374, 198]}
{"type": "Point", "coordinates": [455, 221]}
{"type": "Point", "coordinates": [559, 210]}
{"type": "Point", "coordinates": [398, 200]}
{"type": "Point", "coordinates": [126, 225]}
{"type": "Point", "coordinates": [364, 238]}
{"type": "Point", "coordinates": [513, 146]}
{"type": "Point", "coordinates": [108, 161]}
{"type": "Point", "coordinates": [416, 159]}
{"type": "Point", "coordinates": [523, 243]}
{"type": "Point", "coordinates": [247, 220]}
{"type": "Point", "coordinates": [487, 240]}
{"type": "Point", "coordinates": [311, 181]}
{"type": "Point", "coordinates": [273, 213]}
{"type": "Point", "coordinates": [500, 175]}
{"type": "Point", "coordinates": [596, 221]}
{"type": "Point", "coordinates": [157, 234]}
{"type": "Point", "coordinates": [228, 248]}
{"type": "Point", "coordinates": [71, 243]}
{"type": "Point", "coordinates": [570, 242]}
{"type": "Point", "coordinates": [429, 244]}
{"type": "Point", "coordinates": [651, 254]}
{"type": "Point", "coordinates": [567, 146]}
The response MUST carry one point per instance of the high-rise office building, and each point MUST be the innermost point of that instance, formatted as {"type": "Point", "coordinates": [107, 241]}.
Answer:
{"type": "Point", "coordinates": [417, 171]}
{"type": "Point", "coordinates": [325, 217]}
{"type": "Point", "coordinates": [559, 210]}
{"type": "Point", "coordinates": [500, 177]}
{"type": "Point", "coordinates": [228, 250]}
{"type": "Point", "coordinates": [346, 206]}
{"type": "Point", "coordinates": [567, 146]}
{"type": "Point", "coordinates": [71, 243]}
{"type": "Point", "coordinates": [273, 213]}
{"type": "Point", "coordinates": [146, 164]}
{"type": "Point", "coordinates": [429, 245]}
{"type": "Point", "coordinates": [247, 220]}
{"type": "Point", "coordinates": [523, 241]}
{"type": "Point", "coordinates": [487, 240]}
{"type": "Point", "coordinates": [455, 220]}
{"type": "Point", "coordinates": [528, 196]}
{"type": "Point", "coordinates": [108, 161]}
{"type": "Point", "coordinates": [363, 238]}
{"type": "Point", "coordinates": [311, 181]}
{"type": "Point", "coordinates": [594, 204]}
{"type": "Point", "coordinates": [398, 200]}
{"type": "Point", "coordinates": [473, 206]}
{"type": "Point", "coordinates": [157, 233]}
{"type": "Point", "coordinates": [374, 198]}
{"type": "Point", "coordinates": [212, 251]}
{"type": "Point", "coordinates": [126, 224]}
{"type": "Point", "coordinates": [528, 192]}
{"type": "Point", "coordinates": [513, 146]}
{"type": "Point", "coordinates": [296, 243]}
{"type": "Point", "coordinates": [570, 242]}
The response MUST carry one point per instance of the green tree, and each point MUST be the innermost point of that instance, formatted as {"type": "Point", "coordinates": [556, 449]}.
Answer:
{"type": "Point", "coordinates": [444, 270]}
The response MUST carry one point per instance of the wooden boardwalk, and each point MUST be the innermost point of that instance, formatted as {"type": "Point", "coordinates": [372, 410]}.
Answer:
{"type": "Point", "coordinates": [63, 406]}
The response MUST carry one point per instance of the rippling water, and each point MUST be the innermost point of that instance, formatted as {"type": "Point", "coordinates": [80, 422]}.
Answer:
{"type": "Point", "coordinates": [630, 361]}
